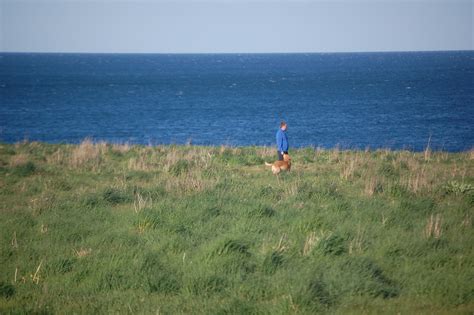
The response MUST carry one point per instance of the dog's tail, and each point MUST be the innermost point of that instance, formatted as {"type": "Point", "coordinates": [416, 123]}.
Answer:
{"type": "Point", "coordinates": [268, 164]}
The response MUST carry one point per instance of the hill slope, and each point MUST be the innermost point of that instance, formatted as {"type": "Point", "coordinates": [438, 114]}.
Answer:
{"type": "Point", "coordinates": [97, 228]}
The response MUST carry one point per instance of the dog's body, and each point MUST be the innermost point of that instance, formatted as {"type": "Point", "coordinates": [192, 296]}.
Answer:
{"type": "Point", "coordinates": [279, 166]}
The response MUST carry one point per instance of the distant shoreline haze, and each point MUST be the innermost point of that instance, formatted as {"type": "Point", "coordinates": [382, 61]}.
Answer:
{"type": "Point", "coordinates": [395, 100]}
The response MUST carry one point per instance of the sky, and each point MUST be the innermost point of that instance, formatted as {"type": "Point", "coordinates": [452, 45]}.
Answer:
{"type": "Point", "coordinates": [235, 26]}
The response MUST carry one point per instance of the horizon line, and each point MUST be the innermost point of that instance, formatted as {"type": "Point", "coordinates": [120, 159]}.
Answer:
{"type": "Point", "coordinates": [231, 53]}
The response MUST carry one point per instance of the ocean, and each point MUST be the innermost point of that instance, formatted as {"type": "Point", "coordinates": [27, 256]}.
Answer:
{"type": "Point", "coordinates": [396, 100]}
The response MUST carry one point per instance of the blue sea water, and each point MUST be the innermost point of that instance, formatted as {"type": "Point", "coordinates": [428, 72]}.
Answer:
{"type": "Point", "coordinates": [354, 100]}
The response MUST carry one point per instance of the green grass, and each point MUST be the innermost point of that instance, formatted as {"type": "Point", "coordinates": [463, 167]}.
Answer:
{"type": "Point", "coordinates": [101, 228]}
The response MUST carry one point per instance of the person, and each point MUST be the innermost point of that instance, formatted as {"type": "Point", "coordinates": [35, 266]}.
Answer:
{"type": "Point", "coordinates": [282, 140]}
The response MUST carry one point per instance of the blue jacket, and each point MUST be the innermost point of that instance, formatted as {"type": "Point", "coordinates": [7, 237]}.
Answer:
{"type": "Point", "coordinates": [282, 141]}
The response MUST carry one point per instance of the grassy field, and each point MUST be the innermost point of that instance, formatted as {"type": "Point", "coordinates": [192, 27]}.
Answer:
{"type": "Point", "coordinates": [102, 228]}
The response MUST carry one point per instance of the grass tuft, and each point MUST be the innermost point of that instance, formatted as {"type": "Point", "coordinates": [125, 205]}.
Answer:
{"type": "Point", "coordinates": [24, 170]}
{"type": "Point", "coordinates": [7, 290]}
{"type": "Point", "coordinates": [116, 196]}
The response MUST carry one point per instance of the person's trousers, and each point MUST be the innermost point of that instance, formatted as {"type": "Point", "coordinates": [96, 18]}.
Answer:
{"type": "Point", "coordinates": [280, 156]}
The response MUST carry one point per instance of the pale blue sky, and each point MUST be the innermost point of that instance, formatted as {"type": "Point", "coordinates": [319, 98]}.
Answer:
{"type": "Point", "coordinates": [188, 26]}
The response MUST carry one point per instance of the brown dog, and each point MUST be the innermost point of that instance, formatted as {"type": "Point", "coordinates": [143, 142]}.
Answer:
{"type": "Point", "coordinates": [279, 166]}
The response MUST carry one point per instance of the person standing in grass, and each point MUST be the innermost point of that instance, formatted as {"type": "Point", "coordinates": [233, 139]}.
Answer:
{"type": "Point", "coordinates": [282, 140]}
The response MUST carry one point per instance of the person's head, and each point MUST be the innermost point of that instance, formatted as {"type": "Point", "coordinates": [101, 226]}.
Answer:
{"type": "Point", "coordinates": [283, 125]}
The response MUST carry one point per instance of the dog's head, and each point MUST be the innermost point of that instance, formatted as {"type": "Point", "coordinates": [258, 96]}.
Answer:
{"type": "Point", "coordinates": [286, 157]}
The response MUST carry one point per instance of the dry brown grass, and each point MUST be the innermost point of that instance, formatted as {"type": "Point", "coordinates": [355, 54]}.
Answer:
{"type": "Point", "coordinates": [282, 244]}
{"type": "Point", "coordinates": [269, 245]}
{"type": "Point", "coordinates": [384, 153]}
{"type": "Point", "coordinates": [14, 241]}
{"type": "Point", "coordinates": [141, 202]}
{"type": "Point", "coordinates": [313, 239]}
{"type": "Point", "coordinates": [36, 276]}
{"type": "Point", "coordinates": [43, 229]}
{"type": "Point", "coordinates": [433, 227]}
{"type": "Point", "coordinates": [145, 161]}
{"type": "Point", "coordinates": [356, 243]}
{"type": "Point", "coordinates": [41, 203]}
{"type": "Point", "coordinates": [422, 176]}
{"type": "Point", "coordinates": [416, 182]}
{"type": "Point", "coordinates": [470, 154]}
{"type": "Point", "coordinates": [462, 170]}
{"type": "Point", "coordinates": [201, 157]}
{"type": "Point", "coordinates": [349, 167]}
{"type": "Point", "coordinates": [18, 160]}
{"type": "Point", "coordinates": [138, 164]}
{"type": "Point", "coordinates": [87, 152]}
{"type": "Point", "coordinates": [291, 189]}
{"type": "Point", "coordinates": [371, 185]}
{"type": "Point", "coordinates": [121, 147]}
{"type": "Point", "coordinates": [417, 177]}
{"type": "Point", "coordinates": [171, 157]}
{"type": "Point", "coordinates": [143, 225]}
{"type": "Point", "coordinates": [467, 221]}
{"type": "Point", "coordinates": [427, 152]}
{"type": "Point", "coordinates": [309, 243]}
{"type": "Point", "coordinates": [223, 148]}
{"type": "Point", "coordinates": [441, 156]}
{"type": "Point", "coordinates": [266, 152]}
{"type": "Point", "coordinates": [334, 157]}
{"type": "Point", "coordinates": [266, 245]}
{"type": "Point", "coordinates": [384, 219]}
{"type": "Point", "coordinates": [191, 183]}
{"type": "Point", "coordinates": [56, 158]}
{"type": "Point", "coordinates": [82, 252]}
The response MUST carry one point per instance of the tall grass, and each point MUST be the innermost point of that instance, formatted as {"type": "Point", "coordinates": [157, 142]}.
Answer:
{"type": "Point", "coordinates": [121, 228]}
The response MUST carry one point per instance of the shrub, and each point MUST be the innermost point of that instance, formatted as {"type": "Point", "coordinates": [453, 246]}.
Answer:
{"type": "Point", "coordinates": [272, 262]}
{"type": "Point", "coordinates": [456, 188]}
{"type": "Point", "coordinates": [116, 196]}
{"type": "Point", "coordinates": [24, 170]}
{"type": "Point", "coordinates": [232, 246]}
{"type": "Point", "coordinates": [6, 290]}
{"type": "Point", "coordinates": [363, 276]}
{"type": "Point", "coordinates": [159, 276]}
{"type": "Point", "coordinates": [163, 281]}
{"type": "Point", "coordinates": [316, 296]}
{"type": "Point", "coordinates": [332, 245]}
{"type": "Point", "coordinates": [262, 211]}
{"type": "Point", "coordinates": [213, 211]}
{"type": "Point", "coordinates": [92, 200]}
{"type": "Point", "coordinates": [148, 219]}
